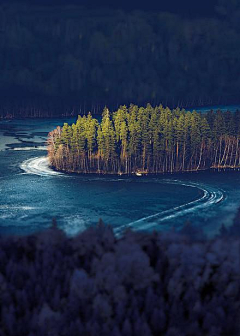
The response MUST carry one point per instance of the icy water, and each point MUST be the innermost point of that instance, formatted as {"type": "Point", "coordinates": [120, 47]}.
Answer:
{"type": "Point", "coordinates": [31, 194]}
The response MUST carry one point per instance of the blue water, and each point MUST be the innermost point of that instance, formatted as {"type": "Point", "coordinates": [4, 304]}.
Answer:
{"type": "Point", "coordinates": [31, 194]}
{"type": "Point", "coordinates": [204, 109]}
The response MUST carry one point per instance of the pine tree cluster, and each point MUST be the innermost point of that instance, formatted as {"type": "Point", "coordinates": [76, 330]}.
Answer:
{"type": "Point", "coordinates": [147, 140]}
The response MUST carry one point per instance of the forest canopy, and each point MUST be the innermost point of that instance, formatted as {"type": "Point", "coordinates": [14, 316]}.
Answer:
{"type": "Point", "coordinates": [143, 284]}
{"type": "Point", "coordinates": [138, 140]}
{"type": "Point", "coordinates": [99, 57]}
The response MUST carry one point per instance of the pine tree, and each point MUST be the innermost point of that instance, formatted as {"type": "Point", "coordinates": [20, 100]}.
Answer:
{"type": "Point", "coordinates": [66, 134]}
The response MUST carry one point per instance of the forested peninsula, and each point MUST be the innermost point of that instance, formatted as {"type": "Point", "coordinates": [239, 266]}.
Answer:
{"type": "Point", "coordinates": [147, 140]}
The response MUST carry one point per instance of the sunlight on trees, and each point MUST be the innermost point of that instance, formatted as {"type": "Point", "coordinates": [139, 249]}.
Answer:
{"type": "Point", "coordinates": [147, 140]}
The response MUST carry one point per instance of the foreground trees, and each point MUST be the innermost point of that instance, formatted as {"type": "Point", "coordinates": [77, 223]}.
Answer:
{"type": "Point", "coordinates": [142, 284]}
{"type": "Point", "coordinates": [147, 140]}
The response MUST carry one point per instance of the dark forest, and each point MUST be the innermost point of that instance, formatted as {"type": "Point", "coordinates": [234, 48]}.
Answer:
{"type": "Point", "coordinates": [143, 284]}
{"type": "Point", "coordinates": [69, 59]}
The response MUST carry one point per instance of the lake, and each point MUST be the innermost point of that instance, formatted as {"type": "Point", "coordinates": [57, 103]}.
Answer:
{"type": "Point", "coordinates": [31, 194]}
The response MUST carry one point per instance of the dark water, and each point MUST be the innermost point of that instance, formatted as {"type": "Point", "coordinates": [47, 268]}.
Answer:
{"type": "Point", "coordinates": [31, 194]}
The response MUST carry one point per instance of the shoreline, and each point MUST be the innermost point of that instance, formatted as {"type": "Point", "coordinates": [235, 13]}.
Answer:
{"type": "Point", "coordinates": [65, 114]}
{"type": "Point", "coordinates": [108, 174]}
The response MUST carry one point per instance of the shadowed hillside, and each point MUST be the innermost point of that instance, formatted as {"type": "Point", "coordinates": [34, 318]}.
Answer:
{"type": "Point", "coordinates": [66, 58]}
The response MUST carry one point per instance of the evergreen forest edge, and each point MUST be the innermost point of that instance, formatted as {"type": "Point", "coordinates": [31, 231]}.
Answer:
{"type": "Point", "coordinates": [150, 140]}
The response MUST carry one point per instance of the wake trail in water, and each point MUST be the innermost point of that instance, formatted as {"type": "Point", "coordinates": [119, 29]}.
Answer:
{"type": "Point", "coordinates": [38, 166]}
{"type": "Point", "coordinates": [41, 148]}
{"type": "Point", "coordinates": [210, 197]}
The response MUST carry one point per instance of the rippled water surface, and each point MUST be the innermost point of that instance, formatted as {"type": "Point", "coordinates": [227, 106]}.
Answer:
{"type": "Point", "coordinates": [31, 194]}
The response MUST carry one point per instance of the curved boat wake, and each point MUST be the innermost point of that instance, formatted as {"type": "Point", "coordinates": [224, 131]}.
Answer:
{"type": "Point", "coordinates": [210, 197]}
{"type": "Point", "coordinates": [38, 166]}
{"type": "Point", "coordinates": [41, 148]}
